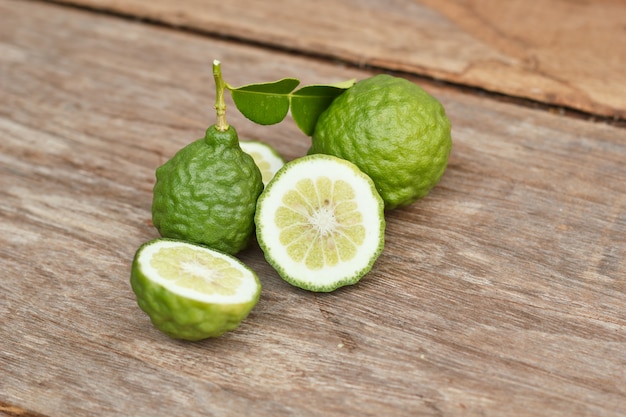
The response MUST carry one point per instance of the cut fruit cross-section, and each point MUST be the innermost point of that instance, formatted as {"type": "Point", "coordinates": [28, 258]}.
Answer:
{"type": "Point", "coordinates": [320, 223]}
{"type": "Point", "coordinates": [190, 291]}
{"type": "Point", "coordinates": [265, 157]}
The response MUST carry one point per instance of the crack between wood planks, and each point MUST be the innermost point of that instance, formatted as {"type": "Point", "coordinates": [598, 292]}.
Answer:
{"type": "Point", "coordinates": [564, 111]}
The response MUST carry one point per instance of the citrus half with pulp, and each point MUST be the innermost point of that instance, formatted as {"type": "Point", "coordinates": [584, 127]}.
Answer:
{"type": "Point", "coordinates": [320, 223]}
{"type": "Point", "coordinates": [192, 292]}
{"type": "Point", "coordinates": [265, 156]}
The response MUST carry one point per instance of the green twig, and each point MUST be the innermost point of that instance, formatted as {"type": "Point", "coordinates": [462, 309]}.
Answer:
{"type": "Point", "coordinates": [220, 103]}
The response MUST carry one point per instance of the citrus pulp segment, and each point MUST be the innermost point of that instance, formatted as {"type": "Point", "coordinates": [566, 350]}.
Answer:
{"type": "Point", "coordinates": [320, 223]}
{"type": "Point", "coordinates": [265, 157]}
{"type": "Point", "coordinates": [190, 291]}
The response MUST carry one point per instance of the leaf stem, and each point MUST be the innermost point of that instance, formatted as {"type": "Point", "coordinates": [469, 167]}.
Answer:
{"type": "Point", "coordinates": [220, 103]}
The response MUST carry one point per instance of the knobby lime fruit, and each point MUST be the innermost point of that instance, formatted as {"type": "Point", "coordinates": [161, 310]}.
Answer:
{"type": "Point", "coordinates": [265, 156]}
{"type": "Point", "coordinates": [206, 193]}
{"type": "Point", "coordinates": [192, 292]}
{"type": "Point", "coordinates": [320, 223]}
{"type": "Point", "coordinates": [393, 131]}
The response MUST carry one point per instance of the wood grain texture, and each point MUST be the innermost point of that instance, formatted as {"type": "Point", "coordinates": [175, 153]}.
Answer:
{"type": "Point", "coordinates": [565, 53]}
{"type": "Point", "coordinates": [501, 293]}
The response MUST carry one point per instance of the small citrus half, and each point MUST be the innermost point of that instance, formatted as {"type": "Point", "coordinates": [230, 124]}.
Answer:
{"type": "Point", "coordinates": [192, 292]}
{"type": "Point", "coordinates": [265, 157]}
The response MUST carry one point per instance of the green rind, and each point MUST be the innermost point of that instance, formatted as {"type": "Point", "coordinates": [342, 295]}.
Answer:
{"type": "Point", "coordinates": [294, 280]}
{"type": "Point", "coordinates": [184, 318]}
{"type": "Point", "coordinates": [381, 120]}
{"type": "Point", "coordinates": [206, 193]}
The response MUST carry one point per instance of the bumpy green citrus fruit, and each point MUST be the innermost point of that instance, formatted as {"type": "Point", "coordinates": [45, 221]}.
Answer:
{"type": "Point", "coordinates": [265, 156]}
{"type": "Point", "coordinates": [207, 193]}
{"type": "Point", "coordinates": [393, 131]}
{"type": "Point", "coordinates": [192, 292]}
{"type": "Point", "coordinates": [320, 223]}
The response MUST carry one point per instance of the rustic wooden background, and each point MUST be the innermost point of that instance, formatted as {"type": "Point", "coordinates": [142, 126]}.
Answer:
{"type": "Point", "coordinates": [501, 293]}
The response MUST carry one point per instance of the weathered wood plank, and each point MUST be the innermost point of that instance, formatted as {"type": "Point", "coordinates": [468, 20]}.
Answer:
{"type": "Point", "coordinates": [570, 53]}
{"type": "Point", "coordinates": [502, 292]}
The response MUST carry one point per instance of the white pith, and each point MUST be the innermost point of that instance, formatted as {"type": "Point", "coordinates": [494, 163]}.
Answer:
{"type": "Point", "coordinates": [323, 220]}
{"type": "Point", "coordinates": [197, 269]}
{"type": "Point", "coordinates": [244, 293]}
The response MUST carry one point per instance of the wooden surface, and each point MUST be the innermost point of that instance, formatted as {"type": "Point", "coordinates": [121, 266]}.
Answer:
{"type": "Point", "coordinates": [560, 52]}
{"type": "Point", "coordinates": [501, 293]}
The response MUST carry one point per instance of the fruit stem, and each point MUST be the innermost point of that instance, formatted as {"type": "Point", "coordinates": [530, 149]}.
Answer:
{"type": "Point", "coordinates": [220, 103]}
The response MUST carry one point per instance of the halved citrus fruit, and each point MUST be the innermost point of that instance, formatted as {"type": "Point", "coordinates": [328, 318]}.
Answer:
{"type": "Point", "coordinates": [265, 156]}
{"type": "Point", "coordinates": [320, 223]}
{"type": "Point", "coordinates": [190, 291]}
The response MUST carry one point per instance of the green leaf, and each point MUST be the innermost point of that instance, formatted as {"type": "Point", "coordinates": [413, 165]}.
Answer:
{"type": "Point", "coordinates": [264, 103]}
{"type": "Point", "coordinates": [308, 103]}
{"type": "Point", "coordinates": [269, 103]}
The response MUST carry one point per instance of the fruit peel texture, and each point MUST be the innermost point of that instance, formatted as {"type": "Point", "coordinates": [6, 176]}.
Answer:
{"type": "Point", "coordinates": [207, 194]}
{"type": "Point", "coordinates": [393, 131]}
